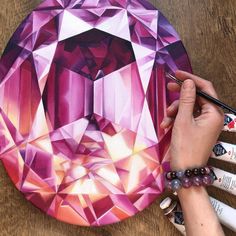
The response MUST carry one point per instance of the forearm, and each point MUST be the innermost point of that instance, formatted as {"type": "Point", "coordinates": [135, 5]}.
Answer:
{"type": "Point", "coordinates": [199, 215]}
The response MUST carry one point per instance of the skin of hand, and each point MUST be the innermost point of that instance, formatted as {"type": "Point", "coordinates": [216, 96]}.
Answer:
{"type": "Point", "coordinates": [196, 126]}
{"type": "Point", "coordinates": [193, 136]}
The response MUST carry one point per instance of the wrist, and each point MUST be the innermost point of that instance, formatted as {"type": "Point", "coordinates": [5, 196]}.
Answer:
{"type": "Point", "coordinates": [184, 193]}
{"type": "Point", "coordinates": [190, 196]}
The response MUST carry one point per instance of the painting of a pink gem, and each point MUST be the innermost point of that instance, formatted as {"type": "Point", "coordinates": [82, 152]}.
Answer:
{"type": "Point", "coordinates": [82, 96]}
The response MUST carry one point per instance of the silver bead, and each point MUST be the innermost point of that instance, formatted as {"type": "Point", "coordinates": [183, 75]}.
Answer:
{"type": "Point", "coordinates": [176, 184]}
{"type": "Point", "coordinates": [180, 174]}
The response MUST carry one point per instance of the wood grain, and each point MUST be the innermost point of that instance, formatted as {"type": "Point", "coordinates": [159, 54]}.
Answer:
{"type": "Point", "coordinates": [208, 30]}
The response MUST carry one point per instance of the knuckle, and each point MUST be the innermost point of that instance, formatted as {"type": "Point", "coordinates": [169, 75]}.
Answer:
{"type": "Point", "coordinates": [187, 100]}
{"type": "Point", "coordinates": [209, 83]}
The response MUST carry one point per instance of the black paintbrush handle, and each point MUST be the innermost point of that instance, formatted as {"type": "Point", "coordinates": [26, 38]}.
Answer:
{"type": "Point", "coordinates": [216, 101]}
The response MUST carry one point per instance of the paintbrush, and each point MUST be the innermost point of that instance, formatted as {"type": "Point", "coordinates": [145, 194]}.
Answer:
{"type": "Point", "coordinates": [205, 95]}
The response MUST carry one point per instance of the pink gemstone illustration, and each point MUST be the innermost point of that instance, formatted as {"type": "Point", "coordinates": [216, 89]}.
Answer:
{"type": "Point", "coordinates": [82, 96]}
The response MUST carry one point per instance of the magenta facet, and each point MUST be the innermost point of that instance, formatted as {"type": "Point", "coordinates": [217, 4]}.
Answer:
{"type": "Point", "coordinates": [82, 96]}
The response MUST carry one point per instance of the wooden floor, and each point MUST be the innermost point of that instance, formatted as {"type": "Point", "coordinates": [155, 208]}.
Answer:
{"type": "Point", "coordinates": [208, 30]}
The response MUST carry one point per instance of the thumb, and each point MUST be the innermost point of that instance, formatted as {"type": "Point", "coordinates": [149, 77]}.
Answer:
{"type": "Point", "coordinates": [187, 100]}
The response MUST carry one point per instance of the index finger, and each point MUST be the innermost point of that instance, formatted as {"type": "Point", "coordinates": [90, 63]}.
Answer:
{"type": "Point", "coordinates": [202, 84]}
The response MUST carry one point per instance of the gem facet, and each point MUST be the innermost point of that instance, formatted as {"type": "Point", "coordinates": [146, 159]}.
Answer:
{"type": "Point", "coordinates": [82, 96]}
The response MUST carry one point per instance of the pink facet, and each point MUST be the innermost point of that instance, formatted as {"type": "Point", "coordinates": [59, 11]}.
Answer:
{"type": "Point", "coordinates": [82, 96]}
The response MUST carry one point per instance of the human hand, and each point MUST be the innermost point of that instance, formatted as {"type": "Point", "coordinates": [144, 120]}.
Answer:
{"type": "Point", "coordinates": [193, 135]}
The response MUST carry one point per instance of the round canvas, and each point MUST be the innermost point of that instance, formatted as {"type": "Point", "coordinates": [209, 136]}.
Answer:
{"type": "Point", "coordinates": [82, 96]}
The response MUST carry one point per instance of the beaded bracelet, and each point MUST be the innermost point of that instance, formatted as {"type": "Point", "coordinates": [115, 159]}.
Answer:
{"type": "Point", "coordinates": [203, 176]}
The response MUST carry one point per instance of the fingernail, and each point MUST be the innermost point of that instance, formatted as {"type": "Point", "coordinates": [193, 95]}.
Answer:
{"type": "Point", "coordinates": [164, 122]}
{"type": "Point", "coordinates": [188, 84]}
{"type": "Point", "coordinates": [170, 108]}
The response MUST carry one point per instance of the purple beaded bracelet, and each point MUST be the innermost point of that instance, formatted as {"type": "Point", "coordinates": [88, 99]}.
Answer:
{"type": "Point", "coordinates": [203, 176]}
